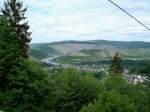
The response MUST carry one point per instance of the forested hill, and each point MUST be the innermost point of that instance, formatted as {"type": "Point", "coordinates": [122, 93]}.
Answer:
{"type": "Point", "coordinates": [117, 44]}
{"type": "Point", "coordinates": [103, 48]}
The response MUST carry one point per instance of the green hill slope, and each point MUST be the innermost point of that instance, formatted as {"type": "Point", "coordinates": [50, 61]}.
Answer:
{"type": "Point", "coordinates": [91, 50]}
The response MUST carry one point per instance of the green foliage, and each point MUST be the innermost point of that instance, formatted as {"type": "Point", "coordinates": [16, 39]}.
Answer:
{"type": "Point", "coordinates": [98, 75]}
{"type": "Point", "coordinates": [14, 38]}
{"type": "Point", "coordinates": [28, 88]}
{"type": "Point", "coordinates": [110, 102]}
{"type": "Point", "coordinates": [144, 104]}
{"type": "Point", "coordinates": [72, 90]}
{"type": "Point", "coordinates": [119, 84]}
{"type": "Point", "coordinates": [143, 69]}
{"type": "Point", "coordinates": [138, 94]}
{"type": "Point", "coordinates": [9, 51]}
{"type": "Point", "coordinates": [116, 67]}
{"type": "Point", "coordinates": [14, 12]}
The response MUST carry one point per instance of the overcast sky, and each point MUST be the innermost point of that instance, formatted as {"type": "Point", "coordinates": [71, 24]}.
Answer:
{"type": "Point", "coordinates": [57, 20]}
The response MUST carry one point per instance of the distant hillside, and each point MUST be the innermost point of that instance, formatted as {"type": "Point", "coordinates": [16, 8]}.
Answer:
{"type": "Point", "coordinates": [91, 50]}
{"type": "Point", "coordinates": [117, 44]}
{"type": "Point", "coordinates": [42, 50]}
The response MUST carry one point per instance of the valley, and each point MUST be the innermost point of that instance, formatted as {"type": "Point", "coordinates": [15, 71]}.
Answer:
{"type": "Point", "coordinates": [94, 52]}
{"type": "Point", "coordinates": [94, 56]}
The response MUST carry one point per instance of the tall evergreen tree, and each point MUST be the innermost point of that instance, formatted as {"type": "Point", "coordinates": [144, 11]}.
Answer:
{"type": "Point", "coordinates": [14, 38]}
{"type": "Point", "coordinates": [9, 51]}
{"type": "Point", "coordinates": [14, 12]}
{"type": "Point", "coordinates": [116, 67]}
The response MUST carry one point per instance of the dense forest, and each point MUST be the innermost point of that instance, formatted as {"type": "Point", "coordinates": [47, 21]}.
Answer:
{"type": "Point", "coordinates": [25, 86]}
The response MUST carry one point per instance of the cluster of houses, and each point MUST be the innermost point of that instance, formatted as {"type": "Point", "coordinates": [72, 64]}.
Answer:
{"type": "Point", "coordinates": [88, 68]}
{"type": "Point", "coordinates": [135, 78]}
{"type": "Point", "coordinates": [131, 78]}
{"type": "Point", "coordinates": [91, 68]}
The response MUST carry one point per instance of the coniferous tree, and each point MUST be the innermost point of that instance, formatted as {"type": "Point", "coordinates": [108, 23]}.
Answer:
{"type": "Point", "coordinates": [14, 12]}
{"type": "Point", "coordinates": [9, 51]}
{"type": "Point", "coordinates": [116, 67]}
{"type": "Point", "coordinates": [14, 38]}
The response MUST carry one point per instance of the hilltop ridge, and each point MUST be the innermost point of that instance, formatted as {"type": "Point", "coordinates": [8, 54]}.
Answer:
{"type": "Point", "coordinates": [96, 48]}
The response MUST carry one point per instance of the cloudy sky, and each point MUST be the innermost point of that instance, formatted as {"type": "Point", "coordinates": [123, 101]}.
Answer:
{"type": "Point", "coordinates": [57, 20]}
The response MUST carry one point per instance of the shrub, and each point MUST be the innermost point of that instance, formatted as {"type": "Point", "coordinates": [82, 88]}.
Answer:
{"type": "Point", "coordinates": [73, 90]}
{"type": "Point", "coordinates": [28, 88]}
{"type": "Point", "coordinates": [110, 102]}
